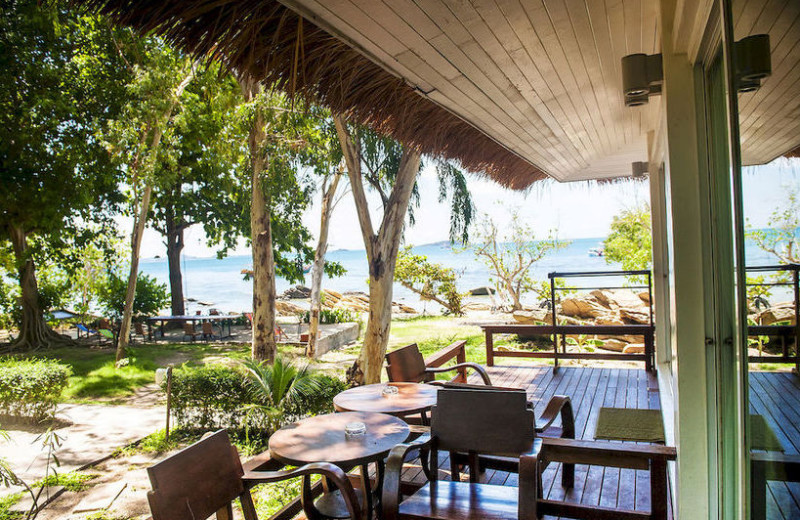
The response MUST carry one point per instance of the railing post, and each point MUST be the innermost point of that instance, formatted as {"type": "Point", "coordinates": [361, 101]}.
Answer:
{"type": "Point", "coordinates": [795, 275]}
{"type": "Point", "coordinates": [658, 489]}
{"type": "Point", "coordinates": [555, 320]}
{"type": "Point", "coordinates": [461, 357]}
{"type": "Point", "coordinates": [489, 347]}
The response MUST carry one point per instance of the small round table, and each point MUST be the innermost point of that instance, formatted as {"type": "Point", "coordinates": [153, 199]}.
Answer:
{"type": "Point", "coordinates": [322, 439]}
{"type": "Point", "coordinates": [411, 398]}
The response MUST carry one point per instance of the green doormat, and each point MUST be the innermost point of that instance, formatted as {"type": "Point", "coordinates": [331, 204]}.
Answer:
{"type": "Point", "coordinates": [629, 424]}
{"type": "Point", "coordinates": [761, 435]}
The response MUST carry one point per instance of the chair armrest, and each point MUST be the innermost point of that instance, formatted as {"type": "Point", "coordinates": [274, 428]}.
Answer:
{"type": "Point", "coordinates": [390, 497]}
{"type": "Point", "coordinates": [529, 482]}
{"type": "Point", "coordinates": [476, 367]}
{"type": "Point", "coordinates": [558, 405]}
{"type": "Point", "coordinates": [325, 469]}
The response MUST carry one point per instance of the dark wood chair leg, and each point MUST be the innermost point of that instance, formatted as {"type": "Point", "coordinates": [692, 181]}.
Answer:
{"type": "Point", "coordinates": [758, 491]}
{"type": "Point", "coordinates": [658, 489]}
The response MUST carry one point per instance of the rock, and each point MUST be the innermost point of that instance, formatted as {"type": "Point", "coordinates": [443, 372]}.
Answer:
{"type": "Point", "coordinates": [582, 307]}
{"type": "Point", "coordinates": [645, 297]}
{"type": "Point", "coordinates": [602, 298]}
{"type": "Point", "coordinates": [780, 312]}
{"type": "Point", "coordinates": [614, 344]}
{"type": "Point", "coordinates": [296, 293]}
{"type": "Point", "coordinates": [404, 309]}
{"type": "Point", "coordinates": [636, 348]}
{"type": "Point", "coordinates": [634, 316]}
{"type": "Point", "coordinates": [534, 317]}
{"type": "Point", "coordinates": [609, 319]}
{"type": "Point", "coordinates": [482, 291]}
{"type": "Point", "coordinates": [476, 306]}
{"type": "Point", "coordinates": [623, 338]}
{"type": "Point", "coordinates": [284, 308]}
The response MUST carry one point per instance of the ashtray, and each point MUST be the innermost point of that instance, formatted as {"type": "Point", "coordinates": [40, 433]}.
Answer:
{"type": "Point", "coordinates": [355, 429]}
{"type": "Point", "coordinates": [390, 391]}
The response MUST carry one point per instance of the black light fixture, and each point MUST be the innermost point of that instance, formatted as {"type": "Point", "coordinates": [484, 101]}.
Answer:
{"type": "Point", "coordinates": [642, 76]}
{"type": "Point", "coordinates": [639, 169]}
{"type": "Point", "coordinates": [752, 62]}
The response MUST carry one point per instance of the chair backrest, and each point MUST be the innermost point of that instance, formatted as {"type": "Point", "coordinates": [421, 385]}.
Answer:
{"type": "Point", "coordinates": [139, 327]}
{"type": "Point", "coordinates": [196, 482]}
{"type": "Point", "coordinates": [207, 328]}
{"type": "Point", "coordinates": [188, 328]}
{"type": "Point", "coordinates": [406, 364]}
{"type": "Point", "coordinates": [213, 312]}
{"type": "Point", "coordinates": [103, 324]}
{"type": "Point", "coordinates": [494, 422]}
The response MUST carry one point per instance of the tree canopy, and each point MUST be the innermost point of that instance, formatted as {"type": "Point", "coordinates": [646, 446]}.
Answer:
{"type": "Point", "coordinates": [630, 241]}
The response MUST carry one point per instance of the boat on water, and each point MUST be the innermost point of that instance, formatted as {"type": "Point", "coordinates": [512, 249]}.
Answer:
{"type": "Point", "coordinates": [597, 251]}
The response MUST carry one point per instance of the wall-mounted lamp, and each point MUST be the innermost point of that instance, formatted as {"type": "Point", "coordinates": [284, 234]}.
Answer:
{"type": "Point", "coordinates": [752, 62]}
{"type": "Point", "coordinates": [642, 76]}
{"type": "Point", "coordinates": [639, 169]}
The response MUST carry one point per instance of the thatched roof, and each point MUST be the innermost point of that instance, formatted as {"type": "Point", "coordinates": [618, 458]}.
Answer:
{"type": "Point", "coordinates": [275, 45]}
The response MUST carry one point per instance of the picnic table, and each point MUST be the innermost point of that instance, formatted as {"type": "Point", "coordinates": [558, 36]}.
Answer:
{"type": "Point", "coordinates": [222, 318]}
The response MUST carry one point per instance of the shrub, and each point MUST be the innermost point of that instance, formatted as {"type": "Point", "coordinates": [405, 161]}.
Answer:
{"type": "Point", "coordinates": [328, 316]}
{"type": "Point", "coordinates": [216, 396]}
{"type": "Point", "coordinates": [151, 296]}
{"type": "Point", "coordinates": [211, 396]}
{"type": "Point", "coordinates": [31, 387]}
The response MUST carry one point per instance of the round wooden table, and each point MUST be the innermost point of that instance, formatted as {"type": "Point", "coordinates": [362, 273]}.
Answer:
{"type": "Point", "coordinates": [322, 439]}
{"type": "Point", "coordinates": [411, 398]}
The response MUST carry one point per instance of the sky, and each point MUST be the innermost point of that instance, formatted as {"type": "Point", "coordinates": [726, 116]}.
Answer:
{"type": "Point", "coordinates": [575, 210]}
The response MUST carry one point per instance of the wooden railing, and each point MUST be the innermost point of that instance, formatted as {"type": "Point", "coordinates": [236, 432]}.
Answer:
{"type": "Point", "coordinates": [554, 331]}
{"type": "Point", "coordinates": [785, 332]}
{"type": "Point", "coordinates": [455, 351]}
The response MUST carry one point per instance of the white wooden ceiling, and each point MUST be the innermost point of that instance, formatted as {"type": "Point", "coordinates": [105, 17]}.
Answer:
{"type": "Point", "coordinates": [541, 77]}
{"type": "Point", "coordinates": [769, 119]}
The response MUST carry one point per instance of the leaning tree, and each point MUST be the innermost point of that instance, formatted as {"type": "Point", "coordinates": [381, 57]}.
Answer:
{"type": "Point", "coordinates": [390, 169]}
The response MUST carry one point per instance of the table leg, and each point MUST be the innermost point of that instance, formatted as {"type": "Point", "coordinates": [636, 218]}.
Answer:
{"type": "Point", "coordinates": [366, 486]}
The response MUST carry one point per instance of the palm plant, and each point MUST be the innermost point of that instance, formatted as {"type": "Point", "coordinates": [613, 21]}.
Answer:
{"type": "Point", "coordinates": [282, 386]}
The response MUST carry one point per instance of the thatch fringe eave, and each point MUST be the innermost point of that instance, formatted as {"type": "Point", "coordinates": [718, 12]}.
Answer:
{"type": "Point", "coordinates": [264, 39]}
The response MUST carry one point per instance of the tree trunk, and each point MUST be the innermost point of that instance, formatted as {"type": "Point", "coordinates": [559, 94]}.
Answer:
{"type": "Point", "coordinates": [33, 331]}
{"type": "Point", "coordinates": [328, 195]}
{"type": "Point", "coordinates": [264, 347]}
{"type": "Point", "coordinates": [175, 244]}
{"type": "Point", "coordinates": [141, 221]}
{"type": "Point", "coordinates": [382, 250]}
{"type": "Point", "coordinates": [130, 294]}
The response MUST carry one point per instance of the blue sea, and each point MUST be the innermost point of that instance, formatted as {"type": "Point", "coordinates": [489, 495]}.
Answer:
{"type": "Point", "coordinates": [219, 282]}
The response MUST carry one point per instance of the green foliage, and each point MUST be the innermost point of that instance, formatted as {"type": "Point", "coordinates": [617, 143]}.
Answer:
{"type": "Point", "coordinates": [430, 280]}
{"type": "Point", "coordinates": [31, 388]}
{"type": "Point", "coordinates": [630, 242]}
{"type": "Point", "coordinates": [211, 396]}
{"type": "Point", "coordinates": [258, 398]}
{"type": "Point", "coordinates": [782, 238]}
{"type": "Point", "coordinates": [151, 296]}
{"type": "Point", "coordinates": [333, 316]}
{"type": "Point", "coordinates": [511, 255]}
{"type": "Point", "coordinates": [73, 481]}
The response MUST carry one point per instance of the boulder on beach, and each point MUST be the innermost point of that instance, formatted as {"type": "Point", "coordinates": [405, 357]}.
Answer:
{"type": "Point", "coordinates": [635, 316]}
{"type": "Point", "coordinates": [609, 319]}
{"type": "Point", "coordinates": [297, 292]}
{"type": "Point", "coordinates": [780, 312]}
{"type": "Point", "coordinates": [582, 307]}
{"type": "Point", "coordinates": [482, 291]}
{"type": "Point", "coordinates": [476, 306]}
{"type": "Point", "coordinates": [533, 317]}
{"type": "Point", "coordinates": [614, 344]}
{"type": "Point", "coordinates": [635, 348]}
{"type": "Point", "coordinates": [284, 308]}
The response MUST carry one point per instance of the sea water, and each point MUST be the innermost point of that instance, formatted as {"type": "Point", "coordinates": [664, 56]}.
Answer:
{"type": "Point", "coordinates": [219, 283]}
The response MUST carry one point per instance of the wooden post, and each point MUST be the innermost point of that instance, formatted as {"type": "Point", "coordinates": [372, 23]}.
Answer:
{"type": "Point", "coordinates": [795, 275]}
{"type": "Point", "coordinates": [758, 490]}
{"type": "Point", "coordinates": [461, 357]}
{"type": "Point", "coordinates": [555, 322]}
{"type": "Point", "coordinates": [658, 489]}
{"type": "Point", "coordinates": [169, 400]}
{"type": "Point", "coordinates": [489, 347]}
{"type": "Point", "coordinates": [649, 350]}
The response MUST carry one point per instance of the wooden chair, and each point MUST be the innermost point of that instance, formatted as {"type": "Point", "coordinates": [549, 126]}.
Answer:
{"type": "Point", "coordinates": [208, 331]}
{"type": "Point", "coordinates": [559, 405]}
{"type": "Point", "coordinates": [407, 364]}
{"type": "Point", "coordinates": [499, 423]}
{"type": "Point", "coordinates": [207, 477]}
{"type": "Point", "coordinates": [474, 422]}
{"type": "Point", "coordinates": [188, 330]}
{"type": "Point", "coordinates": [139, 331]}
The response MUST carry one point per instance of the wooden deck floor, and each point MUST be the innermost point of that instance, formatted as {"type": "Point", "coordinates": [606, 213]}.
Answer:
{"type": "Point", "coordinates": [590, 389]}
{"type": "Point", "coordinates": [776, 396]}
